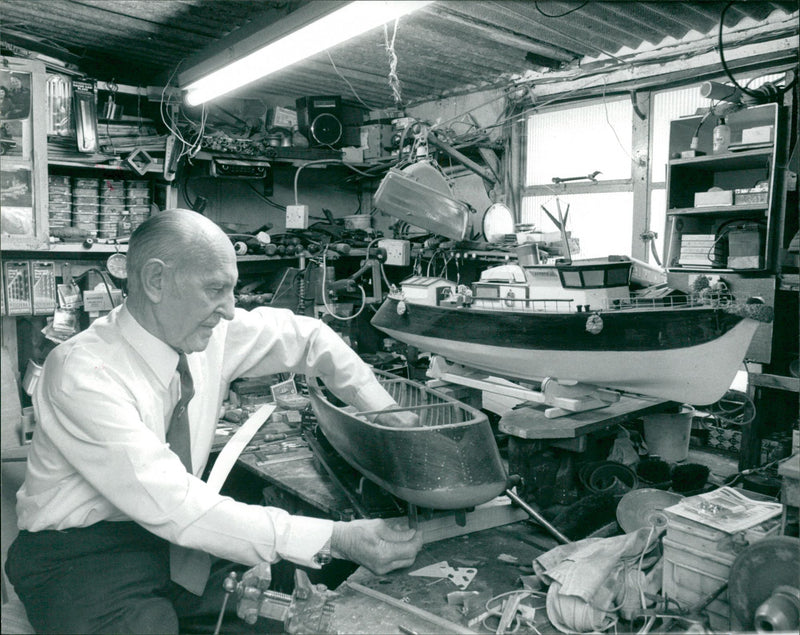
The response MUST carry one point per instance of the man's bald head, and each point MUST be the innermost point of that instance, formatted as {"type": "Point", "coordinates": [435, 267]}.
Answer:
{"type": "Point", "coordinates": [178, 237]}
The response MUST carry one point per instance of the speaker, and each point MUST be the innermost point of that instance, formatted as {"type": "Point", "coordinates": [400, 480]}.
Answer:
{"type": "Point", "coordinates": [320, 120]}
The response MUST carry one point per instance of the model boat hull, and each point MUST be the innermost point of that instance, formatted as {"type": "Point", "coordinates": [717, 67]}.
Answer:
{"type": "Point", "coordinates": [689, 355]}
{"type": "Point", "coordinates": [450, 461]}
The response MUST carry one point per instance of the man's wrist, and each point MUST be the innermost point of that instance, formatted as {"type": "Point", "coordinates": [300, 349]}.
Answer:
{"type": "Point", "coordinates": [323, 556]}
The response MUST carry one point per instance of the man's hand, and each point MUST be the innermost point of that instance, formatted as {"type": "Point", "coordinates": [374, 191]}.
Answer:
{"type": "Point", "coordinates": [379, 545]}
{"type": "Point", "coordinates": [399, 419]}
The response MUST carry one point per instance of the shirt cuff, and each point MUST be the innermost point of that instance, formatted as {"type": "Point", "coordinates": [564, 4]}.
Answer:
{"type": "Point", "coordinates": [305, 538]}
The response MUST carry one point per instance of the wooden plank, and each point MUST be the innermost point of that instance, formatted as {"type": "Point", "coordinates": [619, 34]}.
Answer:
{"type": "Point", "coordinates": [495, 513]}
{"type": "Point", "coordinates": [781, 382]}
{"type": "Point", "coordinates": [530, 422]}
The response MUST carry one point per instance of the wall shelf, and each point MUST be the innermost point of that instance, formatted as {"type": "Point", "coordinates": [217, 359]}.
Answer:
{"type": "Point", "coordinates": [751, 208]}
{"type": "Point", "coordinates": [780, 382]}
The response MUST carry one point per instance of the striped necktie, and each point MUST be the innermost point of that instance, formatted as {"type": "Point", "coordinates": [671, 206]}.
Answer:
{"type": "Point", "coordinates": [178, 435]}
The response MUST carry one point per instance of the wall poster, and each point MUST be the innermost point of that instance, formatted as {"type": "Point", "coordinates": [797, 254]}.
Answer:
{"type": "Point", "coordinates": [16, 154]}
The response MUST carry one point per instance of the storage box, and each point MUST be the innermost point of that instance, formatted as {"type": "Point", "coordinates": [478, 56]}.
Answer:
{"type": "Point", "coordinates": [717, 197]}
{"type": "Point", "coordinates": [690, 575]}
{"type": "Point", "coordinates": [759, 134]}
{"type": "Point", "coordinates": [750, 196]}
{"type": "Point", "coordinates": [376, 140]}
{"type": "Point", "coordinates": [745, 248]}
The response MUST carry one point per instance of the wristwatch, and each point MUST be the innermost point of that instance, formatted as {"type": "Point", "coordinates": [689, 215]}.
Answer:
{"type": "Point", "coordinates": [323, 556]}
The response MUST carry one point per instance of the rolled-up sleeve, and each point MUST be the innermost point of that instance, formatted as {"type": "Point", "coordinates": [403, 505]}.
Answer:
{"type": "Point", "coordinates": [267, 341]}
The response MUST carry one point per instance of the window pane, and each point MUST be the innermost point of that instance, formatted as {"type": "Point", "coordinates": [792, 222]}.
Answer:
{"type": "Point", "coordinates": [602, 223]}
{"type": "Point", "coordinates": [578, 141]}
{"type": "Point", "coordinates": [669, 105]}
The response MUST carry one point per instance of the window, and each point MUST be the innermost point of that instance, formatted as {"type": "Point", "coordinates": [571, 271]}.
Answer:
{"type": "Point", "coordinates": [601, 223]}
{"type": "Point", "coordinates": [580, 140]}
{"type": "Point", "coordinates": [577, 141]}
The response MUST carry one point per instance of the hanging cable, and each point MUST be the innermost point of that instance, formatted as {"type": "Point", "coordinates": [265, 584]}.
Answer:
{"type": "Point", "coordinates": [559, 15]}
{"type": "Point", "coordinates": [352, 90]}
{"type": "Point", "coordinates": [761, 94]}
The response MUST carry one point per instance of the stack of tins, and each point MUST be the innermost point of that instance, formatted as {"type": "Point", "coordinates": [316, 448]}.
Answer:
{"type": "Point", "coordinates": [697, 562]}
{"type": "Point", "coordinates": [137, 200]}
{"type": "Point", "coordinates": [59, 204]}
{"type": "Point", "coordinates": [112, 204]}
{"type": "Point", "coordinates": [86, 204]}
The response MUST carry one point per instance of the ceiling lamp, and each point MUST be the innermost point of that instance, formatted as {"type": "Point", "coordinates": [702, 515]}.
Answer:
{"type": "Point", "coordinates": [303, 33]}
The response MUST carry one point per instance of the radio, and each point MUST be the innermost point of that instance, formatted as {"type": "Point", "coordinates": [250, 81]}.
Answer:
{"type": "Point", "coordinates": [239, 169]}
{"type": "Point", "coordinates": [320, 120]}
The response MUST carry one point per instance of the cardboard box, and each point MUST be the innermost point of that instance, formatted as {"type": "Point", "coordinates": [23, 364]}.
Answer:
{"type": "Point", "coordinates": [750, 196]}
{"type": "Point", "coordinates": [759, 134]}
{"type": "Point", "coordinates": [280, 117]}
{"type": "Point", "coordinates": [376, 140]}
{"type": "Point", "coordinates": [717, 197]}
{"type": "Point", "coordinates": [98, 300]}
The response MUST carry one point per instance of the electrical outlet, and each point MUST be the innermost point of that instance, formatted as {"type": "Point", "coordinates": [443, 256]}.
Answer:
{"type": "Point", "coordinates": [398, 252]}
{"type": "Point", "coordinates": [297, 217]}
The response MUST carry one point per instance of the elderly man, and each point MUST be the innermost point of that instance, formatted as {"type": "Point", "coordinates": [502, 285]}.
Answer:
{"type": "Point", "coordinates": [126, 416]}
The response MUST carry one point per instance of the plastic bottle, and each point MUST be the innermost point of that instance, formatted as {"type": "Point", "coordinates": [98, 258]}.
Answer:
{"type": "Point", "coordinates": [721, 137]}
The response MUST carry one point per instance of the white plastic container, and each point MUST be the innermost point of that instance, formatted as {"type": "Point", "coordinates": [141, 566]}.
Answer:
{"type": "Point", "coordinates": [667, 434]}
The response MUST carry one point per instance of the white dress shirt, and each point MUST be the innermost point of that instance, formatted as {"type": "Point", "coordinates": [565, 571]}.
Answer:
{"type": "Point", "coordinates": [99, 449]}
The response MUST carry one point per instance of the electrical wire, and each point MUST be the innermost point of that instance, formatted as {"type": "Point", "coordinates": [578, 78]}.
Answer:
{"type": "Point", "coordinates": [266, 199]}
{"type": "Point", "coordinates": [352, 90]}
{"type": "Point", "coordinates": [103, 276]}
{"type": "Point", "coordinates": [736, 408]}
{"type": "Point", "coordinates": [758, 95]}
{"type": "Point", "coordinates": [559, 15]}
{"type": "Point", "coordinates": [608, 121]}
{"type": "Point", "coordinates": [321, 162]}
{"type": "Point", "coordinates": [328, 308]}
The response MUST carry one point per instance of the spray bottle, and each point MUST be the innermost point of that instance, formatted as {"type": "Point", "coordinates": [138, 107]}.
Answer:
{"type": "Point", "coordinates": [721, 137]}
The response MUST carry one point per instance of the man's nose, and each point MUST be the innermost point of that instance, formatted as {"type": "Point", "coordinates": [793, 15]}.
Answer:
{"type": "Point", "coordinates": [227, 306]}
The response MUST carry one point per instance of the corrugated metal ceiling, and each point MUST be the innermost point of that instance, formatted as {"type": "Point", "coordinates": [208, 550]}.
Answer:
{"type": "Point", "coordinates": [447, 47]}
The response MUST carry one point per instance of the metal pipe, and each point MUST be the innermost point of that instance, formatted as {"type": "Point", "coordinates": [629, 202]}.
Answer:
{"type": "Point", "coordinates": [538, 517]}
{"type": "Point", "coordinates": [459, 156]}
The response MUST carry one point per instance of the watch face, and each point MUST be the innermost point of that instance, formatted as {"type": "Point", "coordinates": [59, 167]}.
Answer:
{"type": "Point", "coordinates": [326, 129]}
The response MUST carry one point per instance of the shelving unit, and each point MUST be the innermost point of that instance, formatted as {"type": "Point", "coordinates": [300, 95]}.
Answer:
{"type": "Point", "coordinates": [700, 237]}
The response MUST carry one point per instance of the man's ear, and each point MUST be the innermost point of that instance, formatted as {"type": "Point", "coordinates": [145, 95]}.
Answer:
{"type": "Point", "coordinates": [153, 279]}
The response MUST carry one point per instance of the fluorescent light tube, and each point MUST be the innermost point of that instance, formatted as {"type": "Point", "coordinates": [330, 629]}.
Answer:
{"type": "Point", "coordinates": [334, 28]}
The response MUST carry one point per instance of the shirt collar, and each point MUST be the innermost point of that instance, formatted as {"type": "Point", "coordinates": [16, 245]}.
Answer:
{"type": "Point", "coordinates": [158, 355]}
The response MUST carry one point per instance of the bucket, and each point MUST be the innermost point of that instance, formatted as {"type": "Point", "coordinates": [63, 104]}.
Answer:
{"type": "Point", "coordinates": [667, 434]}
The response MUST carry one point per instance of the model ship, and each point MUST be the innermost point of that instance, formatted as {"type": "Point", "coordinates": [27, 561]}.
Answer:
{"type": "Point", "coordinates": [449, 461]}
{"type": "Point", "coordinates": [578, 321]}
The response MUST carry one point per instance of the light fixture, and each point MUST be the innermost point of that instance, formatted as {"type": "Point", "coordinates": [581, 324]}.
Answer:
{"type": "Point", "coordinates": [311, 29]}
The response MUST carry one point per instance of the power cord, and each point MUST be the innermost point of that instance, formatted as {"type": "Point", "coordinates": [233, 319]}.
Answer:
{"type": "Point", "coordinates": [762, 94]}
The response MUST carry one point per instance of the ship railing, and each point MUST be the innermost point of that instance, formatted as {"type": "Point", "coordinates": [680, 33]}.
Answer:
{"type": "Point", "coordinates": [716, 300]}
{"type": "Point", "coordinates": [523, 305]}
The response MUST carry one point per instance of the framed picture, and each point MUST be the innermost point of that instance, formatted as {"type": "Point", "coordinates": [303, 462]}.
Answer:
{"type": "Point", "coordinates": [15, 95]}
{"type": "Point", "coordinates": [23, 155]}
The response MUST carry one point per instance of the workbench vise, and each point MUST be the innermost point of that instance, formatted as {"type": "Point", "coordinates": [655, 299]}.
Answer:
{"type": "Point", "coordinates": [309, 609]}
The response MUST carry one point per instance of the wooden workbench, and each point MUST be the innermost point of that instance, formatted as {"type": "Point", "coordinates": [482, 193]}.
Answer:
{"type": "Point", "coordinates": [530, 422]}
{"type": "Point", "coordinates": [500, 555]}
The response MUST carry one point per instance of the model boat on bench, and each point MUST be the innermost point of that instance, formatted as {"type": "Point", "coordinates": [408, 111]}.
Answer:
{"type": "Point", "coordinates": [450, 461]}
{"type": "Point", "coordinates": [578, 321]}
